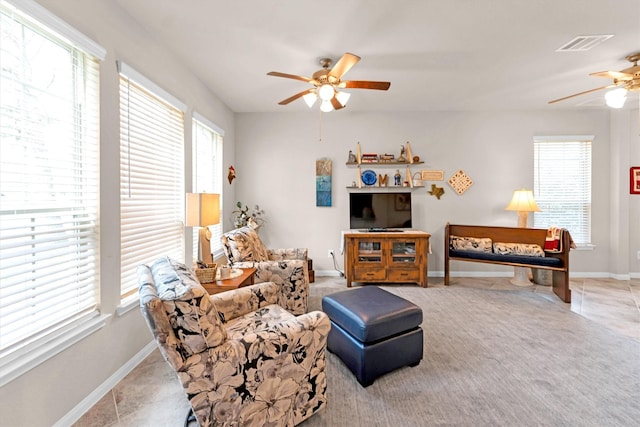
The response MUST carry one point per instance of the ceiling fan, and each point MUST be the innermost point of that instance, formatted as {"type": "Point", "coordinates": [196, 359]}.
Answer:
{"type": "Point", "coordinates": [625, 80]}
{"type": "Point", "coordinates": [327, 84]}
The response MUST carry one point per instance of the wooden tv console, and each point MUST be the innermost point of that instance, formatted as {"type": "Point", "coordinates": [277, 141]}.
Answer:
{"type": "Point", "coordinates": [386, 256]}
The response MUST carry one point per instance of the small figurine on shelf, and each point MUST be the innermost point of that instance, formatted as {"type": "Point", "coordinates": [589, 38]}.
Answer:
{"type": "Point", "coordinates": [397, 178]}
{"type": "Point", "coordinates": [402, 158]}
{"type": "Point", "coordinates": [352, 157]}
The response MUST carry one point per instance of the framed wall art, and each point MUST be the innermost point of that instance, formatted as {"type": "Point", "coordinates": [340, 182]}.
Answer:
{"type": "Point", "coordinates": [323, 182]}
{"type": "Point", "coordinates": [634, 180]}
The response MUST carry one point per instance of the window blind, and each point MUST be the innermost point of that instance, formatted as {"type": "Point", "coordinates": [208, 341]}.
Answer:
{"type": "Point", "coordinates": [151, 180]}
{"type": "Point", "coordinates": [562, 185]}
{"type": "Point", "coordinates": [49, 184]}
{"type": "Point", "coordinates": [207, 172]}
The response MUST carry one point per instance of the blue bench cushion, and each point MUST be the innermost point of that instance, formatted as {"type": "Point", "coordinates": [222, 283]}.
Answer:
{"type": "Point", "coordinates": [370, 314]}
{"type": "Point", "coordinates": [534, 261]}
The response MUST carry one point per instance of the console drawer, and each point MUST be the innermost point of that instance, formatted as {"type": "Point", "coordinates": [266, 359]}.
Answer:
{"type": "Point", "coordinates": [369, 274]}
{"type": "Point", "coordinates": [402, 275]}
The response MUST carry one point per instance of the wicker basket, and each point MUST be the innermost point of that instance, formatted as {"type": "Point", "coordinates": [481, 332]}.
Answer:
{"type": "Point", "coordinates": [207, 275]}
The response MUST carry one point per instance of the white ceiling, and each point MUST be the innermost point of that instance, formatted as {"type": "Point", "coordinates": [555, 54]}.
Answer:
{"type": "Point", "coordinates": [444, 55]}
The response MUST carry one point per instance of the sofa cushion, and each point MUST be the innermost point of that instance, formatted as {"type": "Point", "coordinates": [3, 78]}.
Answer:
{"type": "Point", "coordinates": [266, 318]}
{"type": "Point", "coordinates": [244, 244]}
{"type": "Point", "coordinates": [193, 317]}
{"type": "Point", "coordinates": [533, 261]}
{"type": "Point", "coordinates": [480, 244]}
{"type": "Point", "coordinates": [517, 249]}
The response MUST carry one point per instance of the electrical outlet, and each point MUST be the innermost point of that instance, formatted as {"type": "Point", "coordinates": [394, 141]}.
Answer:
{"type": "Point", "coordinates": [330, 253]}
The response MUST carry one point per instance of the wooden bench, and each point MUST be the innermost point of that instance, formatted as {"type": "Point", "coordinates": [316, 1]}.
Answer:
{"type": "Point", "coordinates": [557, 262]}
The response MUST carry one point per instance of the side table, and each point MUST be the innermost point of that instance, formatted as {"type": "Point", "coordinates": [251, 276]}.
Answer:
{"type": "Point", "coordinates": [245, 279]}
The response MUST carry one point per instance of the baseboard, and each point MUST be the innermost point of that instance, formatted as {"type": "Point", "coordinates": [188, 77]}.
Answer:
{"type": "Point", "coordinates": [327, 273]}
{"type": "Point", "coordinates": [572, 275]}
{"type": "Point", "coordinates": [94, 397]}
{"type": "Point", "coordinates": [440, 273]}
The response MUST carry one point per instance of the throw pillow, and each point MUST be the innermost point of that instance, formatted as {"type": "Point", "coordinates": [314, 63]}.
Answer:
{"type": "Point", "coordinates": [480, 244]}
{"type": "Point", "coordinates": [518, 249]}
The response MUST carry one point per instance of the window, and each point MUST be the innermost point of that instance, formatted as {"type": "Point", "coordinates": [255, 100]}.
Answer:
{"type": "Point", "coordinates": [207, 172]}
{"type": "Point", "coordinates": [49, 187]}
{"type": "Point", "coordinates": [562, 184]}
{"type": "Point", "coordinates": [151, 176]}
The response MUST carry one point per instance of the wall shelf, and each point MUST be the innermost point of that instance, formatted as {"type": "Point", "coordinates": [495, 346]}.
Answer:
{"type": "Point", "coordinates": [408, 178]}
{"type": "Point", "coordinates": [376, 189]}
{"type": "Point", "coordinates": [384, 163]}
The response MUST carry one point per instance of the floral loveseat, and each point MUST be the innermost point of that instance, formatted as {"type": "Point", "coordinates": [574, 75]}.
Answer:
{"type": "Point", "coordinates": [242, 359]}
{"type": "Point", "coordinates": [285, 267]}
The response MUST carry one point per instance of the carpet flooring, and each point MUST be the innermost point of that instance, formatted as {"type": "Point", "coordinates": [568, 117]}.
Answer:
{"type": "Point", "coordinates": [493, 358]}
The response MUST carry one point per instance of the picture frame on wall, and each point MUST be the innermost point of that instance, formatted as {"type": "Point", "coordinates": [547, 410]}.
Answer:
{"type": "Point", "coordinates": [634, 180]}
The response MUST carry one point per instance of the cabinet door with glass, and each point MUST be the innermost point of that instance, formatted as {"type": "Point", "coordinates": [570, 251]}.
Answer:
{"type": "Point", "coordinates": [369, 251]}
{"type": "Point", "coordinates": [404, 251]}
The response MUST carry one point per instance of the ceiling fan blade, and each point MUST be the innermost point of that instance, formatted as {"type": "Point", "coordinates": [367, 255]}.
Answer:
{"type": "Point", "coordinates": [343, 65]}
{"type": "Point", "coordinates": [617, 75]}
{"type": "Point", "coordinates": [289, 76]}
{"type": "Point", "coordinates": [336, 104]}
{"type": "Point", "coordinates": [294, 97]}
{"type": "Point", "coordinates": [582, 93]}
{"type": "Point", "coordinates": [365, 84]}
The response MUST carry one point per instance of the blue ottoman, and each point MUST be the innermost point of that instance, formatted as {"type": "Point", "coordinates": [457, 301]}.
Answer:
{"type": "Point", "coordinates": [373, 331]}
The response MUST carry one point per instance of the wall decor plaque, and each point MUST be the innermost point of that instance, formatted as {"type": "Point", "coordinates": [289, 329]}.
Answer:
{"type": "Point", "coordinates": [460, 182]}
{"type": "Point", "coordinates": [436, 191]}
{"type": "Point", "coordinates": [634, 177]}
{"type": "Point", "coordinates": [428, 175]}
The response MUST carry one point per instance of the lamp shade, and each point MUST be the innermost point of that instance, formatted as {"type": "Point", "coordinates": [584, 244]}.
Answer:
{"type": "Point", "coordinates": [343, 97]}
{"type": "Point", "coordinates": [615, 98]}
{"type": "Point", "coordinates": [310, 99]}
{"type": "Point", "coordinates": [326, 92]}
{"type": "Point", "coordinates": [523, 201]}
{"type": "Point", "coordinates": [203, 209]}
{"type": "Point", "coordinates": [326, 106]}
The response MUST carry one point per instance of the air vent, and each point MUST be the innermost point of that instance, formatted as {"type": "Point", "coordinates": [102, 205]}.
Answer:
{"type": "Point", "coordinates": [582, 43]}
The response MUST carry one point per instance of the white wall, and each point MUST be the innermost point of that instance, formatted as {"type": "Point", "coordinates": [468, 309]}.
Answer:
{"type": "Point", "coordinates": [276, 165]}
{"type": "Point", "coordinates": [47, 393]}
{"type": "Point", "coordinates": [276, 169]}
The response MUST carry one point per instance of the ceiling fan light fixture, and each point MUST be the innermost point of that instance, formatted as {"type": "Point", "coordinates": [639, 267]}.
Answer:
{"type": "Point", "coordinates": [343, 98]}
{"type": "Point", "coordinates": [310, 99]}
{"type": "Point", "coordinates": [326, 92]}
{"type": "Point", "coordinates": [615, 98]}
{"type": "Point", "coordinates": [326, 106]}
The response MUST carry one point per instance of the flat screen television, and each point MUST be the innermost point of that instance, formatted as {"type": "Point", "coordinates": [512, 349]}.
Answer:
{"type": "Point", "coordinates": [379, 210]}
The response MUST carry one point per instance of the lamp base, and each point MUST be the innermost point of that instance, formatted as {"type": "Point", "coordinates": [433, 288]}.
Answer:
{"type": "Point", "coordinates": [204, 245]}
{"type": "Point", "coordinates": [521, 277]}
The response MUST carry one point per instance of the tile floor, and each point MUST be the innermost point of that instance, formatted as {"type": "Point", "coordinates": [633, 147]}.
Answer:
{"type": "Point", "coordinates": [152, 396]}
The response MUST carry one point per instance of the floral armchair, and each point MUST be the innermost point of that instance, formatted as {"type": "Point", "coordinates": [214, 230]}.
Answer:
{"type": "Point", "coordinates": [285, 267]}
{"type": "Point", "coordinates": [242, 359]}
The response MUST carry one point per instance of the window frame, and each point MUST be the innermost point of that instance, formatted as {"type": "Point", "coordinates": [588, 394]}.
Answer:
{"type": "Point", "coordinates": [573, 159]}
{"type": "Point", "coordinates": [170, 215]}
{"type": "Point", "coordinates": [62, 331]}
{"type": "Point", "coordinates": [211, 180]}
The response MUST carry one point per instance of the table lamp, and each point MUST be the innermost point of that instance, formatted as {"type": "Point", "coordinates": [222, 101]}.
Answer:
{"type": "Point", "coordinates": [523, 203]}
{"type": "Point", "coordinates": [203, 209]}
